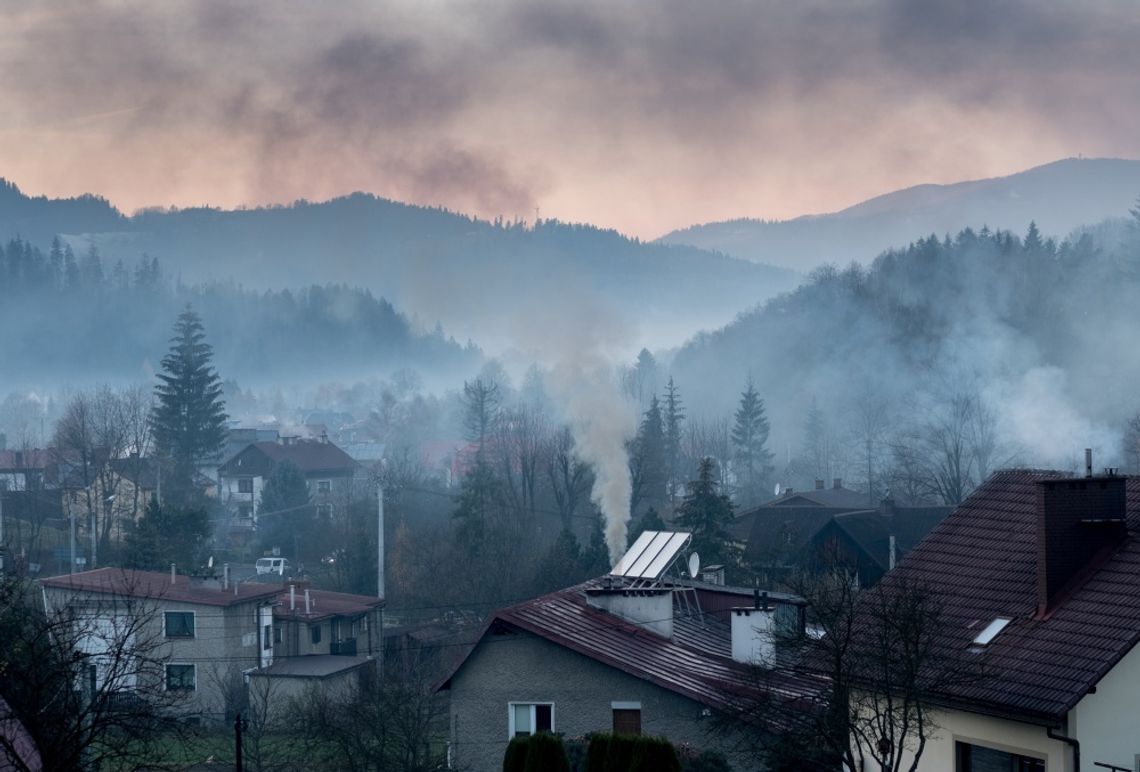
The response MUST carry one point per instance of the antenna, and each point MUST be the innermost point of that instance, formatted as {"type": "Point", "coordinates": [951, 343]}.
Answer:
{"type": "Point", "coordinates": [694, 565]}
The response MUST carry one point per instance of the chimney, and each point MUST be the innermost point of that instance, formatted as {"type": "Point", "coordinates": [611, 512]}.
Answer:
{"type": "Point", "coordinates": [837, 483]}
{"type": "Point", "coordinates": [819, 485]}
{"type": "Point", "coordinates": [650, 609]}
{"type": "Point", "coordinates": [1079, 521]}
{"type": "Point", "coordinates": [308, 604]}
{"type": "Point", "coordinates": [292, 597]}
{"type": "Point", "coordinates": [892, 556]}
{"type": "Point", "coordinates": [887, 506]}
{"type": "Point", "coordinates": [226, 576]}
{"type": "Point", "coordinates": [753, 632]}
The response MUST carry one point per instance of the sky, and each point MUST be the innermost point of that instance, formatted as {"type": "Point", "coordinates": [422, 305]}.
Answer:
{"type": "Point", "coordinates": [640, 116]}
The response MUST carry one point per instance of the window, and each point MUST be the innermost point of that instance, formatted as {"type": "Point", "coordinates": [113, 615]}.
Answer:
{"type": "Point", "coordinates": [277, 634]}
{"type": "Point", "coordinates": [976, 758]}
{"type": "Point", "coordinates": [324, 486]}
{"type": "Point", "coordinates": [267, 637]}
{"type": "Point", "coordinates": [627, 717]}
{"type": "Point", "coordinates": [324, 510]}
{"type": "Point", "coordinates": [179, 678]}
{"type": "Point", "coordinates": [245, 485]}
{"type": "Point", "coordinates": [315, 633]}
{"type": "Point", "coordinates": [179, 624]}
{"type": "Point", "coordinates": [526, 718]}
{"type": "Point", "coordinates": [986, 636]}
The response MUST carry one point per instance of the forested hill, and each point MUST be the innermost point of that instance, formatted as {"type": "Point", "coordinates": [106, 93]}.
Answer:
{"type": "Point", "coordinates": [1059, 196]}
{"type": "Point", "coordinates": [479, 278]}
{"type": "Point", "coordinates": [1042, 333]}
{"type": "Point", "coordinates": [64, 316]}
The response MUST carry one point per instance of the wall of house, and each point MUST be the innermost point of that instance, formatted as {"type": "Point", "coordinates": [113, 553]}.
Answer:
{"type": "Point", "coordinates": [232, 498]}
{"type": "Point", "coordinates": [522, 668]}
{"type": "Point", "coordinates": [1105, 721]}
{"type": "Point", "coordinates": [271, 697]}
{"type": "Point", "coordinates": [1000, 734]}
{"type": "Point", "coordinates": [226, 641]}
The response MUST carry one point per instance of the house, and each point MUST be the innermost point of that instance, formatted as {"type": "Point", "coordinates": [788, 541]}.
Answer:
{"type": "Point", "coordinates": [869, 542]}
{"type": "Point", "coordinates": [322, 639]}
{"type": "Point", "coordinates": [199, 634]}
{"type": "Point", "coordinates": [328, 470]}
{"type": "Point", "coordinates": [822, 496]}
{"type": "Point", "coordinates": [618, 653]}
{"type": "Point", "coordinates": [1037, 575]}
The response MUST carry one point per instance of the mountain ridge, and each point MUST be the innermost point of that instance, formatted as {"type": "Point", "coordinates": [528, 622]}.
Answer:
{"type": "Point", "coordinates": [1059, 196]}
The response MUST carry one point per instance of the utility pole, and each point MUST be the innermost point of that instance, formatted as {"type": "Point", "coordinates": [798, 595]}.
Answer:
{"type": "Point", "coordinates": [2, 530]}
{"type": "Point", "coordinates": [71, 517]}
{"type": "Point", "coordinates": [239, 724]}
{"type": "Point", "coordinates": [380, 538]}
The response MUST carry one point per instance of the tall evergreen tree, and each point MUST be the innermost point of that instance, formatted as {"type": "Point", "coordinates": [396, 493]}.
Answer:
{"type": "Point", "coordinates": [189, 419]}
{"type": "Point", "coordinates": [647, 462]}
{"type": "Point", "coordinates": [750, 440]}
{"type": "Point", "coordinates": [673, 416]}
{"type": "Point", "coordinates": [708, 514]}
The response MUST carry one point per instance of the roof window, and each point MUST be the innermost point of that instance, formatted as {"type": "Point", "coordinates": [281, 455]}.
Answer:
{"type": "Point", "coordinates": [986, 636]}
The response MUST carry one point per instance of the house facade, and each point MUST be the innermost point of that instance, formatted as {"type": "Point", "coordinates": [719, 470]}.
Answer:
{"type": "Point", "coordinates": [602, 657]}
{"type": "Point", "coordinates": [195, 637]}
{"type": "Point", "coordinates": [328, 470]}
{"type": "Point", "coordinates": [1037, 576]}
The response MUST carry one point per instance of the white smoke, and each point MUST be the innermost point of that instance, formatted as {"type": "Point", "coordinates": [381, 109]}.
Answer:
{"type": "Point", "coordinates": [602, 422]}
{"type": "Point", "coordinates": [577, 340]}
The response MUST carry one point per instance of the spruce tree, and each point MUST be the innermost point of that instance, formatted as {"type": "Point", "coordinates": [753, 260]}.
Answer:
{"type": "Point", "coordinates": [750, 439]}
{"type": "Point", "coordinates": [708, 514]}
{"type": "Point", "coordinates": [647, 462]}
{"type": "Point", "coordinates": [189, 420]}
{"type": "Point", "coordinates": [673, 417]}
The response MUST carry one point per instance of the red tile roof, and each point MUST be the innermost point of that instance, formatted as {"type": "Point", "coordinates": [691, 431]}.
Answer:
{"type": "Point", "coordinates": [156, 585]}
{"type": "Point", "coordinates": [981, 562]}
{"type": "Point", "coordinates": [695, 663]}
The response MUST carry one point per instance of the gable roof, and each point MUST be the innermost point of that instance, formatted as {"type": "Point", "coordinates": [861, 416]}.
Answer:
{"type": "Point", "coordinates": [312, 457]}
{"type": "Point", "coordinates": [981, 563]}
{"type": "Point", "coordinates": [695, 663]}
{"type": "Point", "coordinates": [781, 532]}
{"type": "Point", "coordinates": [821, 497]}
{"type": "Point", "coordinates": [156, 585]}
{"type": "Point", "coordinates": [871, 530]}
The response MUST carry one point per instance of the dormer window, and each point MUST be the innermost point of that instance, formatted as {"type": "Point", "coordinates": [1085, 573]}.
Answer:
{"type": "Point", "coordinates": [989, 632]}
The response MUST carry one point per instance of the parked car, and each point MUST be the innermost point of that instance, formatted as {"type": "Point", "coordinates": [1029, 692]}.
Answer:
{"type": "Point", "coordinates": [279, 566]}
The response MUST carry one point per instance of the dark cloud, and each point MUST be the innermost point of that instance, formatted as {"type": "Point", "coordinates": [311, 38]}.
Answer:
{"type": "Point", "coordinates": [699, 105]}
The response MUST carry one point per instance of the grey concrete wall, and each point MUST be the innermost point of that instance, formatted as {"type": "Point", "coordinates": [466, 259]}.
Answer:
{"type": "Point", "coordinates": [225, 641]}
{"type": "Point", "coordinates": [523, 668]}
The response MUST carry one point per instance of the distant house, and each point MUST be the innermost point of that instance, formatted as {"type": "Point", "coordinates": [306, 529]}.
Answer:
{"type": "Point", "coordinates": [870, 542]}
{"type": "Point", "coordinates": [200, 634]}
{"type": "Point", "coordinates": [821, 496]}
{"type": "Point", "coordinates": [328, 470]}
{"type": "Point", "coordinates": [605, 656]}
{"type": "Point", "coordinates": [1038, 577]}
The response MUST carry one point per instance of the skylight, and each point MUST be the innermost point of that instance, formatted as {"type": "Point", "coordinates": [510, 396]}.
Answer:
{"type": "Point", "coordinates": [991, 631]}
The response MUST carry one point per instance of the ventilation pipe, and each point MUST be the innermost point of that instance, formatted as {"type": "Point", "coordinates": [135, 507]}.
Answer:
{"type": "Point", "coordinates": [1088, 462]}
{"type": "Point", "coordinates": [292, 597]}
{"type": "Point", "coordinates": [173, 575]}
{"type": "Point", "coordinates": [308, 603]}
{"type": "Point", "coordinates": [893, 557]}
{"type": "Point", "coordinates": [226, 576]}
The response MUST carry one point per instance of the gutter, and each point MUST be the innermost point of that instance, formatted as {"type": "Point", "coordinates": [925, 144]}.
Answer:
{"type": "Point", "coordinates": [1071, 742]}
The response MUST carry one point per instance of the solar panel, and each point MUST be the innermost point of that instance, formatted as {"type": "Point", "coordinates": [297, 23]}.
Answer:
{"type": "Point", "coordinates": [651, 555]}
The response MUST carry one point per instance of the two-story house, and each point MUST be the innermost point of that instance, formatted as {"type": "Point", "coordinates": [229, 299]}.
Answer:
{"type": "Point", "coordinates": [1037, 578]}
{"type": "Point", "coordinates": [328, 470]}
{"type": "Point", "coordinates": [190, 637]}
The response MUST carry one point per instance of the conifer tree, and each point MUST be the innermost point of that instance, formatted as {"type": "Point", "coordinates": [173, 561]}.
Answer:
{"type": "Point", "coordinates": [750, 439]}
{"type": "Point", "coordinates": [708, 514]}
{"type": "Point", "coordinates": [647, 462]}
{"type": "Point", "coordinates": [673, 416]}
{"type": "Point", "coordinates": [189, 419]}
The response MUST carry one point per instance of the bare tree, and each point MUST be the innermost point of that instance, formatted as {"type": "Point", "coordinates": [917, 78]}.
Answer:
{"type": "Point", "coordinates": [390, 724]}
{"type": "Point", "coordinates": [570, 478]}
{"type": "Point", "coordinates": [85, 677]}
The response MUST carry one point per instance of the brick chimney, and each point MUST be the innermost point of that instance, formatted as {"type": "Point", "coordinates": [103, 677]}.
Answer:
{"type": "Point", "coordinates": [837, 483]}
{"type": "Point", "coordinates": [819, 485]}
{"type": "Point", "coordinates": [1080, 521]}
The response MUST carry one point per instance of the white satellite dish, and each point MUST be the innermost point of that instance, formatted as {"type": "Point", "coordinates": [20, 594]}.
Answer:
{"type": "Point", "coordinates": [778, 489]}
{"type": "Point", "coordinates": [694, 565]}
{"type": "Point", "coordinates": [210, 563]}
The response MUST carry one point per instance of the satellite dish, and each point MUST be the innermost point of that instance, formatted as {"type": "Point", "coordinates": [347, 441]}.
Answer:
{"type": "Point", "coordinates": [210, 562]}
{"type": "Point", "coordinates": [694, 565]}
{"type": "Point", "coordinates": [778, 489]}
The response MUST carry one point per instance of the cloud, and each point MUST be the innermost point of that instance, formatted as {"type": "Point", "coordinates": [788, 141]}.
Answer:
{"type": "Point", "coordinates": [642, 117]}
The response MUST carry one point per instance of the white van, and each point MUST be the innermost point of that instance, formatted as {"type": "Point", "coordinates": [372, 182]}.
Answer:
{"type": "Point", "coordinates": [277, 566]}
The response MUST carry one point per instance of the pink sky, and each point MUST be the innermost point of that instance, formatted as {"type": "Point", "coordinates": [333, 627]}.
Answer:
{"type": "Point", "coordinates": [638, 116]}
